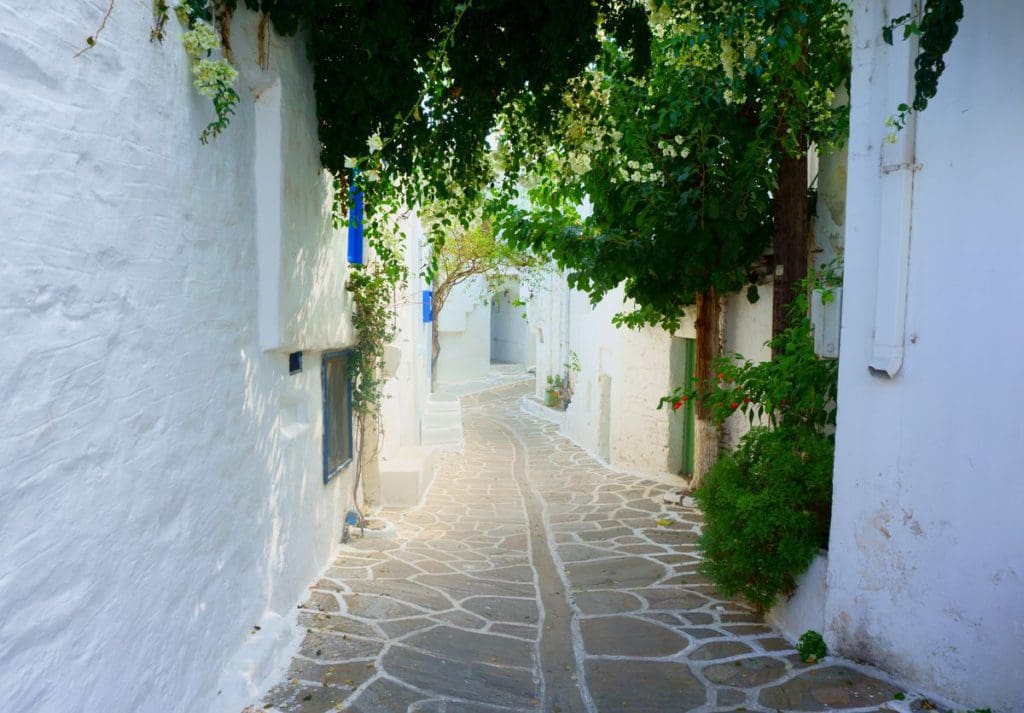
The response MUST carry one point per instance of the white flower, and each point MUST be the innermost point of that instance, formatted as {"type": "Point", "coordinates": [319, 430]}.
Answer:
{"type": "Point", "coordinates": [200, 40]}
{"type": "Point", "coordinates": [213, 76]}
{"type": "Point", "coordinates": [371, 176]}
{"type": "Point", "coordinates": [733, 98]}
{"type": "Point", "coordinates": [679, 139]}
{"type": "Point", "coordinates": [685, 153]}
{"type": "Point", "coordinates": [374, 143]}
{"type": "Point", "coordinates": [892, 138]}
{"type": "Point", "coordinates": [728, 58]}
{"type": "Point", "coordinates": [350, 162]}
{"type": "Point", "coordinates": [579, 163]}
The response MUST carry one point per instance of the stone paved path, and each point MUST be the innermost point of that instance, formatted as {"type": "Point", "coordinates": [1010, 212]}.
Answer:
{"type": "Point", "coordinates": [534, 579]}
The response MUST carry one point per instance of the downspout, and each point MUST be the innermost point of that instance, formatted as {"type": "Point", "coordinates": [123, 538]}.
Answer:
{"type": "Point", "coordinates": [897, 166]}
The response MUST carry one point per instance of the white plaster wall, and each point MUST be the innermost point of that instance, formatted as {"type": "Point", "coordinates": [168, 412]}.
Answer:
{"type": "Point", "coordinates": [160, 475]}
{"type": "Point", "coordinates": [465, 332]}
{"type": "Point", "coordinates": [647, 439]}
{"type": "Point", "coordinates": [509, 329]}
{"type": "Point", "coordinates": [748, 327]}
{"type": "Point", "coordinates": [926, 560]}
{"type": "Point", "coordinates": [623, 373]}
{"type": "Point", "coordinates": [405, 395]}
{"type": "Point", "coordinates": [595, 341]}
{"type": "Point", "coordinates": [546, 313]}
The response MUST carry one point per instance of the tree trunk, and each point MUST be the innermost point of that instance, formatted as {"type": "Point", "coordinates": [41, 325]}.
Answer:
{"type": "Point", "coordinates": [709, 332]}
{"type": "Point", "coordinates": [790, 241]}
{"type": "Point", "coordinates": [436, 303]}
{"type": "Point", "coordinates": [369, 463]}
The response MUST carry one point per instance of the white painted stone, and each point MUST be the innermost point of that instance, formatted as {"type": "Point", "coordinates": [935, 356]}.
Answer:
{"type": "Point", "coordinates": [926, 563]}
{"type": "Point", "coordinates": [465, 334]}
{"type": "Point", "coordinates": [805, 609]}
{"type": "Point", "coordinates": [406, 467]}
{"type": "Point", "coordinates": [160, 480]}
{"type": "Point", "coordinates": [511, 340]}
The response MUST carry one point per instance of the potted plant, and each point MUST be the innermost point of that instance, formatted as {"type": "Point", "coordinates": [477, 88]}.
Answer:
{"type": "Point", "coordinates": [553, 394]}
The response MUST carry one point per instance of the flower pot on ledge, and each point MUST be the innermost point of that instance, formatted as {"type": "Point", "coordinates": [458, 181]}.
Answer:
{"type": "Point", "coordinates": [553, 398]}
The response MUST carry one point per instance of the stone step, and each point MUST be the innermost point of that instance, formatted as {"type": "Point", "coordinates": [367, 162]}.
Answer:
{"type": "Point", "coordinates": [441, 436]}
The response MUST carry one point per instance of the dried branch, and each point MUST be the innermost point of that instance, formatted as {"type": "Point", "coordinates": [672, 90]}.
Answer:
{"type": "Point", "coordinates": [90, 41]}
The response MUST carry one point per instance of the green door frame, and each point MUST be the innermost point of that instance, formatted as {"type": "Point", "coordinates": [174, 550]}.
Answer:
{"type": "Point", "coordinates": [689, 412]}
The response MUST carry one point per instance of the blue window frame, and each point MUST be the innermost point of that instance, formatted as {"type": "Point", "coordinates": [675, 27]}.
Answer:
{"type": "Point", "coordinates": [428, 306]}
{"type": "Point", "coordinates": [337, 399]}
{"type": "Point", "coordinates": [355, 224]}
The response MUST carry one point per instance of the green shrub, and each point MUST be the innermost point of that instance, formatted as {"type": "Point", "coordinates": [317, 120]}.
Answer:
{"type": "Point", "coordinates": [811, 647]}
{"type": "Point", "coordinates": [767, 508]}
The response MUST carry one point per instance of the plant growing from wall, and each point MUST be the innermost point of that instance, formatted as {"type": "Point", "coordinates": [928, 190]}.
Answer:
{"type": "Point", "coordinates": [767, 505]}
{"type": "Point", "coordinates": [374, 286]}
{"type": "Point", "coordinates": [766, 509]}
{"type": "Point", "coordinates": [935, 25]}
{"type": "Point", "coordinates": [212, 74]}
{"type": "Point", "coordinates": [795, 386]}
{"type": "Point", "coordinates": [811, 647]}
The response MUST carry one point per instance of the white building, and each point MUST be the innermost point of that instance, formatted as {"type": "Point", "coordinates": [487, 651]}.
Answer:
{"type": "Point", "coordinates": [484, 322]}
{"type": "Point", "coordinates": [623, 373]}
{"type": "Point", "coordinates": [926, 564]}
{"type": "Point", "coordinates": [464, 331]}
{"type": "Point", "coordinates": [161, 474]}
{"type": "Point", "coordinates": [405, 464]}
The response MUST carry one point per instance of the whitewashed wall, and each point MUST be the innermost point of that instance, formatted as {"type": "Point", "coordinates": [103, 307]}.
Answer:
{"type": "Point", "coordinates": [406, 393]}
{"type": "Point", "coordinates": [926, 561]}
{"type": "Point", "coordinates": [511, 340]}
{"type": "Point", "coordinates": [748, 327]}
{"type": "Point", "coordinates": [160, 474]}
{"type": "Point", "coordinates": [465, 333]}
{"type": "Point", "coordinates": [623, 373]}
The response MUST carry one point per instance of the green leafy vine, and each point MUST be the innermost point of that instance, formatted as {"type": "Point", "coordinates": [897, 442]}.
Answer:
{"type": "Point", "coordinates": [212, 75]}
{"type": "Point", "coordinates": [935, 26]}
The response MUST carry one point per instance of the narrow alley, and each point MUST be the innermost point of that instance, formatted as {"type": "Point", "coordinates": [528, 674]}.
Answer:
{"type": "Point", "coordinates": [534, 578]}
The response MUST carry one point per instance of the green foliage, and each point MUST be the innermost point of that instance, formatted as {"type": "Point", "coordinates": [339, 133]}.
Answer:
{"type": "Point", "coordinates": [811, 647]}
{"type": "Point", "coordinates": [213, 76]}
{"type": "Point", "coordinates": [471, 252]}
{"type": "Point", "coordinates": [795, 386]}
{"type": "Point", "coordinates": [767, 508]}
{"type": "Point", "coordinates": [935, 26]}
{"type": "Point", "coordinates": [373, 291]}
{"type": "Point", "coordinates": [767, 505]}
{"type": "Point", "coordinates": [409, 92]}
{"type": "Point", "coordinates": [678, 164]}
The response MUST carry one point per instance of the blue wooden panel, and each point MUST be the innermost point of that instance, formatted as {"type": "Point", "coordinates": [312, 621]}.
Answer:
{"type": "Point", "coordinates": [428, 305]}
{"type": "Point", "coordinates": [355, 224]}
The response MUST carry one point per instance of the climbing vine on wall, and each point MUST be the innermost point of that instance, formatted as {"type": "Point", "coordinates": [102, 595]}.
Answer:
{"type": "Point", "coordinates": [212, 73]}
{"type": "Point", "coordinates": [935, 26]}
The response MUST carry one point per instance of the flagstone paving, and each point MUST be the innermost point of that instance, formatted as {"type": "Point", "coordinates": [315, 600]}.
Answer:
{"type": "Point", "coordinates": [533, 578]}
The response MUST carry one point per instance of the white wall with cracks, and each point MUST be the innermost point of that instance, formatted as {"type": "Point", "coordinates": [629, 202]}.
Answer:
{"type": "Point", "coordinates": [160, 473]}
{"type": "Point", "coordinates": [926, 563]}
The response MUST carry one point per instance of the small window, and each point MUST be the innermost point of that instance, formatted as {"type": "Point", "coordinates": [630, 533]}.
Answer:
{"type": "Point", "coordinates": [337, 413]}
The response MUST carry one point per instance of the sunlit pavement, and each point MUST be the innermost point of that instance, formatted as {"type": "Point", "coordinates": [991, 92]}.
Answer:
{"type": "Point", "coordinates": [532, 578]}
